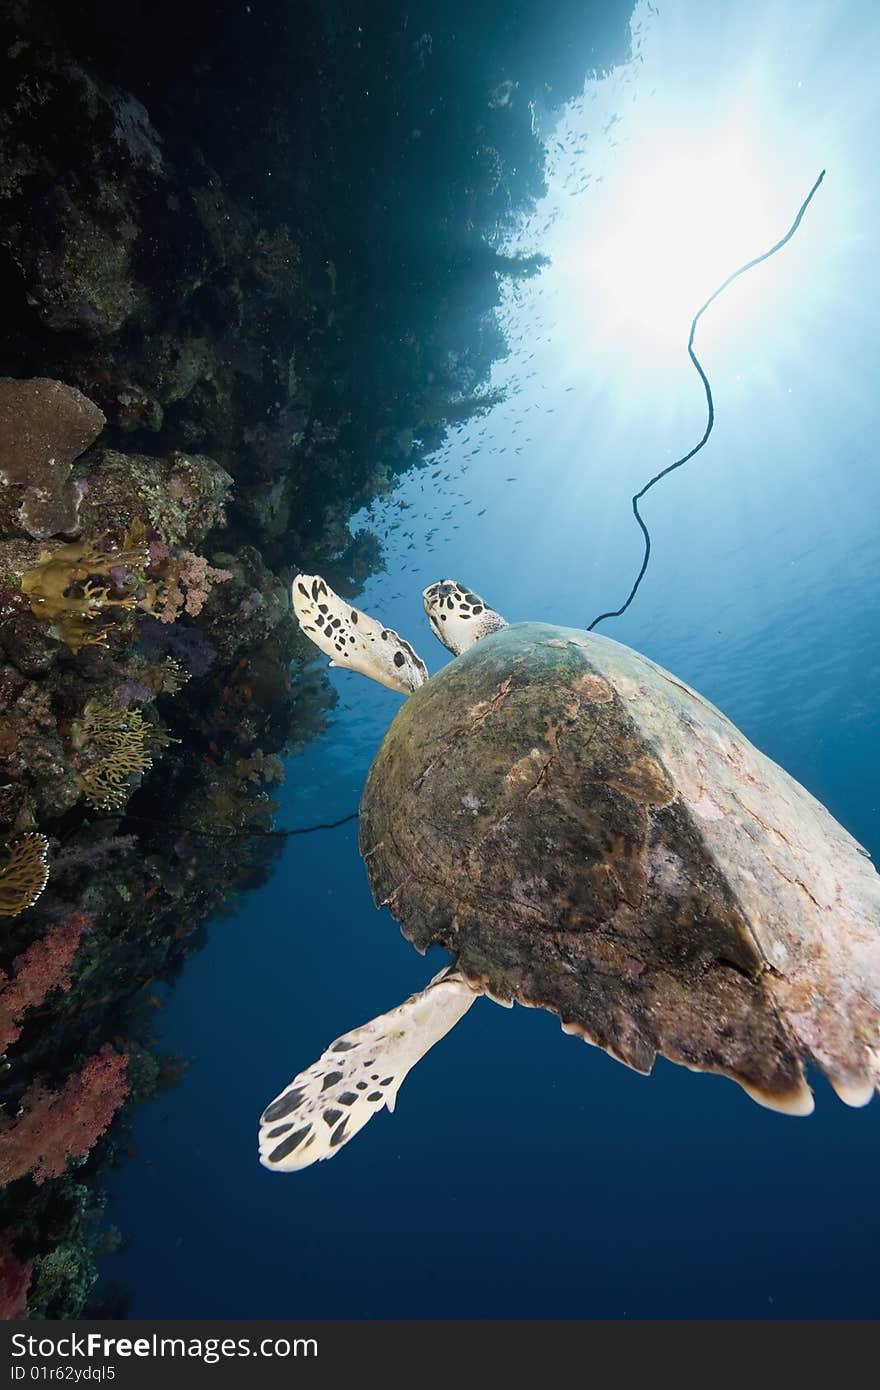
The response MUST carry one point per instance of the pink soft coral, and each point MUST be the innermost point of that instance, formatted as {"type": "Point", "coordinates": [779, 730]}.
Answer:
{"type": "Point", "coordinates": [188, 581]}
{"type": "Point", "coordinates": [54, 1127]}
{"type": "Point", "coordinates": [42, 968]}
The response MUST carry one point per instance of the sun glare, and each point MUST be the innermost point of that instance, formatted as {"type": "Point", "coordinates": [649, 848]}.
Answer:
{"type": "Point", "coordinates": [688, 219]}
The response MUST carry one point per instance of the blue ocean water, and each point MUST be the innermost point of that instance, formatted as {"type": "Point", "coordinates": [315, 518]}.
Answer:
{"type": "Point", "coordinates": [524, 1174]}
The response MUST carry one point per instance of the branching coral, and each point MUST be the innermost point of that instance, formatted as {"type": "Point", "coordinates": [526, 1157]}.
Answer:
{"type": "Point", "coordinates": [114, 743]}
{"type": "Point", "coordinates": [76, 584]}
{"type": "Point", "coordinates": [24, 875]}
{"type": "Point", "coordinates": [53, 1127]}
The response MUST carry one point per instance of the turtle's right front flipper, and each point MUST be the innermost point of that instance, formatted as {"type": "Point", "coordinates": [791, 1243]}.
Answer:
{"type": "Point", "coordinates": [357, 1076]}
{"type": "Point", "coordinates": [354, 639]}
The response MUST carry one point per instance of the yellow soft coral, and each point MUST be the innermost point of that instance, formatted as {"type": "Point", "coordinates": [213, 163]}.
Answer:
{"type": "Point", "coordinates": [24, 875]}
{"type": "Point", "coordinates": [72, 586]}
{"type": "Point", "coordinates": [115, 749]}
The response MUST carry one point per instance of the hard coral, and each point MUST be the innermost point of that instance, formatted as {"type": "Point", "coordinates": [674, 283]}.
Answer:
{"type": "Point", "coordinates": [44, 426]}
{"type": "Point", "coordinates": [114, 750]}
{"type": "Point", "coordinates": [24, 875]}
{"type": "Point", "coordinates": [75, 584]}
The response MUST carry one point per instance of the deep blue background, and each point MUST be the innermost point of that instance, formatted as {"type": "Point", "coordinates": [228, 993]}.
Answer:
{"type": "Point", "coordinates": [524, 1174]}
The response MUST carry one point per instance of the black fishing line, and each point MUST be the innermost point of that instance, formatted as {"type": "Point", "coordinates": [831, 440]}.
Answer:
{"type": "Point", "coordinates": [283, 834]}
{"type": "Point", "coordinates": [244, 834]}
{"type": "Point", "coordinates": [616, 612]}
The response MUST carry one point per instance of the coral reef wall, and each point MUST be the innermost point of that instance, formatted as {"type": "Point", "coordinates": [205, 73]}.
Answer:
{"type": "Point", "coordinates": [249, 258]}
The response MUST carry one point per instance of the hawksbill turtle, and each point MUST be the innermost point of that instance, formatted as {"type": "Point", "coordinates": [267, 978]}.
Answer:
{"type": "Point", "coordinates": [586, 834]}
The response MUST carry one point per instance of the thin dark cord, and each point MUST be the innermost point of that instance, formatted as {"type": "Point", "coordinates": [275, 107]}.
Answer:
{"type": "Point", "coordinates": [284, 834]}
{"type": "Point", "coordinates": [616, 613]}
{"type": "Point", "coordinates": [246, 834]}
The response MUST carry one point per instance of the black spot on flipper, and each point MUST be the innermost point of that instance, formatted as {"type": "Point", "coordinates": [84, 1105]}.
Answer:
{"type": "Point", "coordinates": [362, 1085]}
{"type": "Point", "coordinates": [384, 635]}
{"type": "Point", "coordinates": [386, 1081]}
{"type": "Point", "coordinates": [375, 1076]}
{"type": "Point", "coordinates": [284, 1105]}
{"type": "Point", "coordinates": [338, 1134]}
{"type": "Point", "coordinates": [331, 1116]}
{"type": "Point", "coordinates": [399, 658]}
{"type": "Point", "coordinates": [331, 1079]}
{"type": "Point", "coordinates": [347, 1098]}
{"type": "Point", "coordinates": [343, 1046]}
{"type": "Point", "coordinates": [375, 1095]}
{"type": "Point", "coordinates": [288, 1145]}
{"type": "Point", "coordinates": [322, 608]}
{"type": "Point", "coordinates": [354, 616]}
{"type": "Point", "coordinates": [280, 1129]}
{"type": "Point", "coordinates": [319, 622]}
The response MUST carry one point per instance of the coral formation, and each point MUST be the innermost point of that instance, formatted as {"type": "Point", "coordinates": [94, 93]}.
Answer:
{"type": "Point", "coordinates": [37, 972]}
{"type": "Point", "coordinates": [24, 875]}
{"type": "Point", "coordinates": [113, 747]}
{"type": "Point", "coordinates": [52, 1128]}
{"type": "Point", "coordinates": [74, 585]}
{"type": "Point", "coordinates": [178, 498]}
{"type": "Point", "coordinates": [188, 580]}
{"type": "Point", "coordinates": [44, 426]}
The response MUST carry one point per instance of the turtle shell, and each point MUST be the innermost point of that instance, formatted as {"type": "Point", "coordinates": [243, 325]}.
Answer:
{"type": "Point", "coordinates": [588, 835]}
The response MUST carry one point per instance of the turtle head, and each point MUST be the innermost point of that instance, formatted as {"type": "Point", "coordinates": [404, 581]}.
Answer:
{"type": "Point", "coordinates": [458, 616]}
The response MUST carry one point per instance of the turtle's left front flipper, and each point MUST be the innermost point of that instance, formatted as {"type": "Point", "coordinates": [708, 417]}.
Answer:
{"type": "Point", "coordinates": [354, 639]}
{"type": "Point", "coordinates": [358, 1076]}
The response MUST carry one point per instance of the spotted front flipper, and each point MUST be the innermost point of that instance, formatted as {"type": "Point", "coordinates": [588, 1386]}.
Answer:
{"type": "Point", "coordinates": [458, 616]}
{"type": "Point", "coordinates": [357, 1076]}
{"type": "Point", "coordinates": [353, 639]}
